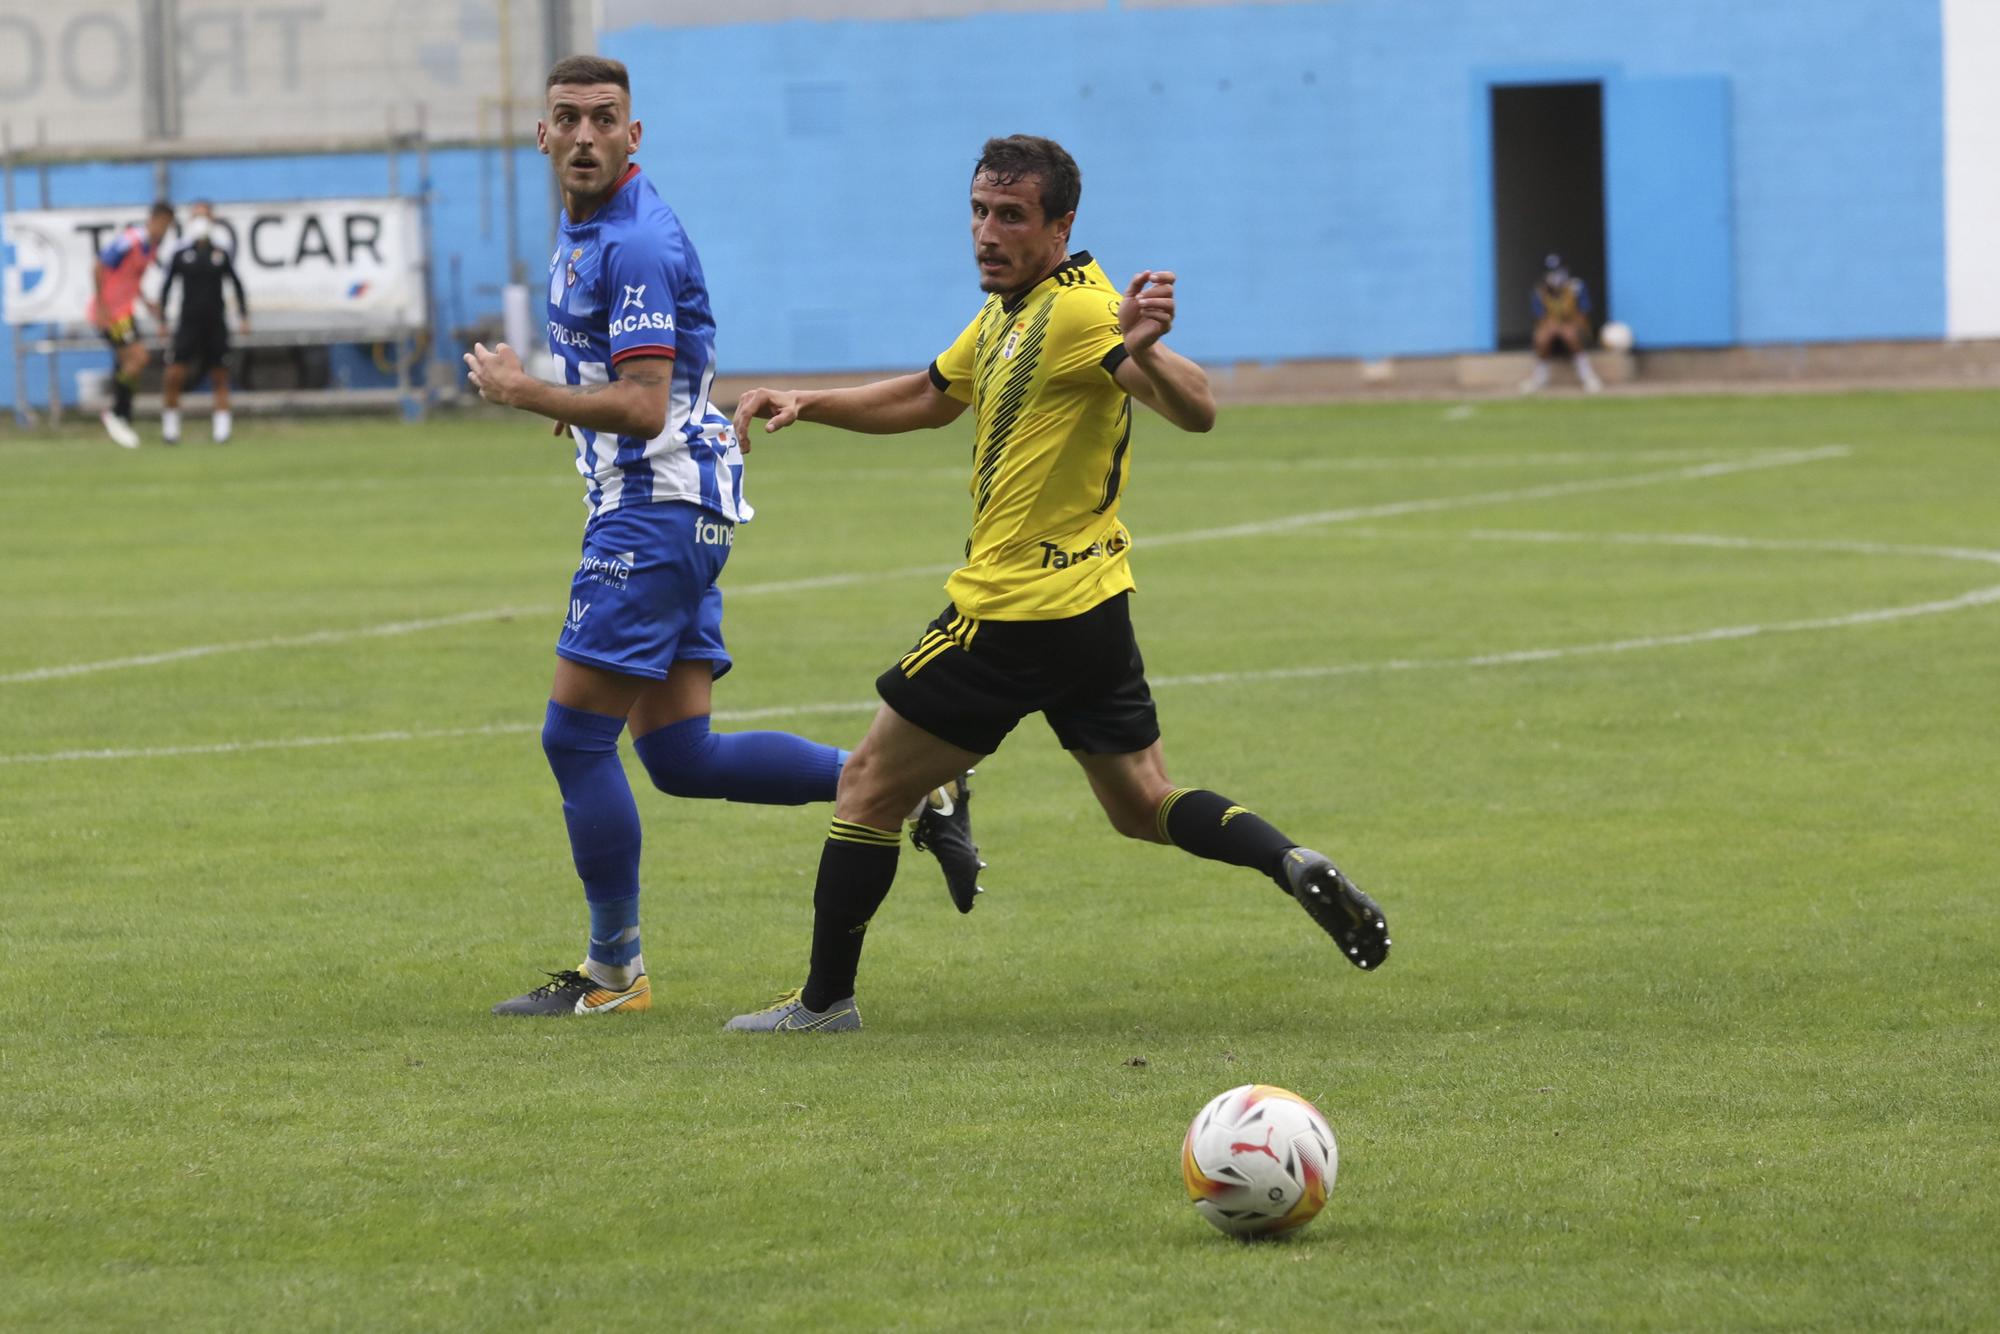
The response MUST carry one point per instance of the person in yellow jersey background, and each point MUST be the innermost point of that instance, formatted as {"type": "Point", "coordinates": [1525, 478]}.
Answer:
{"type": "Point", "coordinates": [1561, 302]}
{"type": "Point", "coordinates": [1039, 620]}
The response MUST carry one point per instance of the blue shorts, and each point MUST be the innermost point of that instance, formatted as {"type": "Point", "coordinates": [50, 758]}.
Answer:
{"type": "Point", "coordinates": [644, 595]}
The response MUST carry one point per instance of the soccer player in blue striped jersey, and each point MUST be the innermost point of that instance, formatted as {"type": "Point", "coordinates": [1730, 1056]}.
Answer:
{"type": "Point", "coordinates": [641, 643]}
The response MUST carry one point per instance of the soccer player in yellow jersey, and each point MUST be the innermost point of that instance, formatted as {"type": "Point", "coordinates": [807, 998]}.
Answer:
{"type": "Point", "coordinates": [1038, 621]}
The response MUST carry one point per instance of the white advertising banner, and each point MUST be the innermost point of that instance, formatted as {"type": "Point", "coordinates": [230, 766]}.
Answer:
{"type": "Point", "coordinates": [316, 264]}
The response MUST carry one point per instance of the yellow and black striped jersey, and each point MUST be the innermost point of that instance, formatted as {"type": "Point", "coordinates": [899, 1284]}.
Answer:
{"type": "Point", "coordinates": [1563, 303]}
{"type": "Point", "coordinates": [1050, 450]}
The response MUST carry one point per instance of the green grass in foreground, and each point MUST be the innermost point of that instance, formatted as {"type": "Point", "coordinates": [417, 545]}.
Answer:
{"type": "Point", "coordinates": [1689, 1025]}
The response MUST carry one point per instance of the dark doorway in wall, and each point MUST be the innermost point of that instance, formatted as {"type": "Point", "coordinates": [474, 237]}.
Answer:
{"type": "Point", "coordinates": [1548, 195]}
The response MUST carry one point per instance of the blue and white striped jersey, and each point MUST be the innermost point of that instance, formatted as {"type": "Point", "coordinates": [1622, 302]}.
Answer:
{"type": "Point", "coordinates": [626, 283]}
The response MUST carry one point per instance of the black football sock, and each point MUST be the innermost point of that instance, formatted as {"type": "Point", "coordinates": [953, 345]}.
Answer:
{"type": "Point", "coordinates": [855, 872]}
{"type": "Point", "coordinates": [121, 397]}
{"type": "Point", "coordinates": [1210, 825]}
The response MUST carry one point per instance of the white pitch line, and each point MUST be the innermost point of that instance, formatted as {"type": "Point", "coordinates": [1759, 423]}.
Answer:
{"type": "Point", "coordinates": [1799, 544]}
{"type": "Point", "coordinates": [1780, 459]}
{"type": "Point", "coordinates": [392, 735]}
{"type": "Point", "coordinates": [1981, 597]}
{"type": "Point", "coordinates": [779, 480]}
{"type": "Point", "coordinates": [395, 735]}
{"type": "Point", "coordinates": [1784, 459]}
{"type": "Point", "coordinates": [1448, 462]}
{"type": "Point", "coordinates": [1979, 554]}
{"type": "Point", "coordinates": [308, 639]}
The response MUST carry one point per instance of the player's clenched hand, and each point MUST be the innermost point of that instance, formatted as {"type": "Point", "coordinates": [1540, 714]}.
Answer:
{"type": "Point", "coordinates": [1147, 312]}
{"type": "Point", "coordinates": [781, 406]}
{"type": "Point", "coordinates": [495, 372]}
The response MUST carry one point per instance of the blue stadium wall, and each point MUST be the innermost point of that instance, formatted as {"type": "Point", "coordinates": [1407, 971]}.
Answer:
{"type": "Point", "coordinates": [1318, 173]}
{"type": "Point", "coordinates": [468, 227]}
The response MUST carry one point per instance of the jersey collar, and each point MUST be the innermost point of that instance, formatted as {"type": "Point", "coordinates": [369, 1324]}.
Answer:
{"type": "Point", "coordinates": [631, 170]}
{"type": "Point", "coordinates": [1081, 259]}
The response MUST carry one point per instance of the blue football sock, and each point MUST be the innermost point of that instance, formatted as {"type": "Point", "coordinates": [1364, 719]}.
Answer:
{"type": "Point", "coordinates": [603, 819]}
{"type": "Point", "coordinates": [614, 938]}
{"type": "Point", "coordinates": [686, 759]}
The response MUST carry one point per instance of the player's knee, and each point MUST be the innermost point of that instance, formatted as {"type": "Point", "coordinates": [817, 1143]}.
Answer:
{"type": "Point", "coordinates": [570, 732]}
{"type": "Point", "coordinates": [680, 757]}
{"type": "Point", "coordinates": [871, 793]}
{"type": "Point", "coordinates": [1135, 813]}
{"type": "Point", "coordinates": [1131, 821]}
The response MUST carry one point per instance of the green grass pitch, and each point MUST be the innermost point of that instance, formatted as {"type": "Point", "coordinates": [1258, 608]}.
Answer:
{"type": "Point", "coordinates": [1666, 731]}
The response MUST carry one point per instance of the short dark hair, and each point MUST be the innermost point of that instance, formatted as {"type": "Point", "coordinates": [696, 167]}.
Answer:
{"type": "Point", "coordinates": [589, 69]}
{"type": "Point", "coordinates": [1019, 156]}
{"type": "Point", "coordinates": [161, 209]}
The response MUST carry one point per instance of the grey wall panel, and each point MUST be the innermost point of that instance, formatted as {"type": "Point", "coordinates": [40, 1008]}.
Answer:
{"type": "Point", "coordinates": [76, 69]}
{"type": "Point", "coordinates": [619, 14]}
{"type": "Point", "coordinates": [272, 71]}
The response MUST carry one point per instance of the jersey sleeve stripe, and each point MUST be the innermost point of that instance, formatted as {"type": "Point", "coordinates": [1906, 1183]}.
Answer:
{"type": "Point", "coordinates": [1114, 359]}
{"type": "Point", "coordinates": [938, 380]}
{"type": "Point", "coordinates": [649, 350]}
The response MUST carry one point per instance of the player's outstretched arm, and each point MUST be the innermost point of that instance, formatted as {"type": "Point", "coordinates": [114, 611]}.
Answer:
{"type": "Point", "coordinates": [906, 403]}
{"type": "Point", "coordinates": [167, 287]}
{"type": "Point", "coordinates": [1154, 373]}
{"type": "Point", "coordinates": [242, 306]}
{"type": "Point", "coordinates": [634, 404]}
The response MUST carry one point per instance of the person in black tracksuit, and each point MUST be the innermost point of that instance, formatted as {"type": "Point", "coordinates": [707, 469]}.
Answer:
{"type": "Point", "coordinates": [201, 339]}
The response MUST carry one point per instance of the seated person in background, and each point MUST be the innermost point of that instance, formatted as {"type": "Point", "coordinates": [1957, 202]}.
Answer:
{"type": "Point", "coordinates": [1562, 319]}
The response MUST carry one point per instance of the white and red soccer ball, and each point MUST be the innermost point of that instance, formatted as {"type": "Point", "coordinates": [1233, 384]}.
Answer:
{"type": "Point", "coordinates": [1259, 1160]}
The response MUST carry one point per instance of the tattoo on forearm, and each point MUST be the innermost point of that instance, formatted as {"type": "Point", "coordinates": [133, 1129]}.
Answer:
{"type": "Point", "coordinates": [650, 376]}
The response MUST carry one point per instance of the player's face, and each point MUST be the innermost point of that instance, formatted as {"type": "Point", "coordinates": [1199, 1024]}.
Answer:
{"type": "Point", "coordinates": [589, 136]}
{"type": "Point", "coordinates": [156, 227]}
{"type": "Point", "coordinates": [1013, 244]}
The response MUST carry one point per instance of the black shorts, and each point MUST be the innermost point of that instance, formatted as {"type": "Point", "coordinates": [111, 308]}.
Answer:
{"type": "Point", "coordinates": [968, 682]}
{"type": "Point", "coordinates": [121, 333]}
{"type": "Point", "coordinates": [200, 345]}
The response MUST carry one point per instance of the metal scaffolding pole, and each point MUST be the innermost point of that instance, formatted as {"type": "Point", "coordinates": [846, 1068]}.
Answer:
{"type": "Point", "coordinates": [22, 416]}
{"type": "Point", "coordinates": [435, 373]}
{"type": "Point", "coordinates": [516, 273]}
{"type": "Point", "coordinates": [54, 417]}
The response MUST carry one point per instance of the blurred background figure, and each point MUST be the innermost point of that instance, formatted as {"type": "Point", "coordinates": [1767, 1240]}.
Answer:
{"type": "Point", "coordinates": [120, 268]}
{"type": "Point", "coordinates": [201, 336]}
{"type": "Point", "coordinates": [1562, 320]}
{"type": "Point", "coordinates": [201, 218]}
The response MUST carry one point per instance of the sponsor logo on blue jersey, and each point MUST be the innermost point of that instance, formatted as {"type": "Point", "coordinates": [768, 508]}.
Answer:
{"type": "Point", "coordinates": [651, 319]}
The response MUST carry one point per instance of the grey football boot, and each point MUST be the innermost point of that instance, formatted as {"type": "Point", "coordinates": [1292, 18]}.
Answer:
{"type": "Point", "coordinates": [788, 1014]}
{"type": "Point", "coordinates": [1343, 911]}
